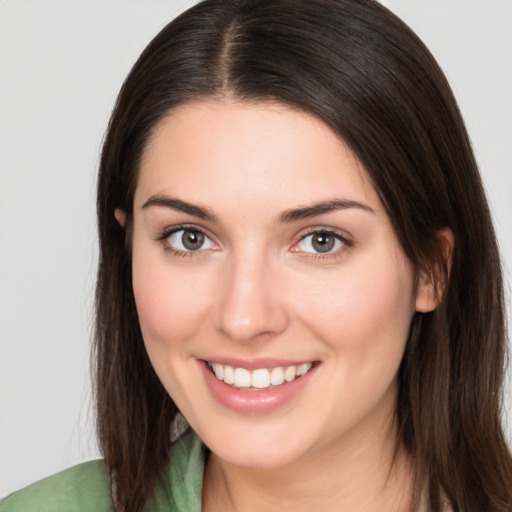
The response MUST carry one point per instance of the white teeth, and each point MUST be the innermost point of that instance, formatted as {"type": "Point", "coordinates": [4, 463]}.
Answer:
{"type": "Point", "coordinates": [262, 378]}
{"type": "Point", "coordinates": [218, 370]}
{"type": "Point", "coordinates": [242, 378]}
{"type": "Point", "coordinates": [303, 368]}
{"type": "Point", "coordinates": [276, 376]}
{"type": "Point", "coordinates": [229, 375]}
{"type": "Point", "coordinates": [290, 373]}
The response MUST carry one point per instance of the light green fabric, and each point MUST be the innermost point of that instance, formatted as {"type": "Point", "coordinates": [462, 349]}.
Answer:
{"type": "Point", "coordinates": [85, 488]}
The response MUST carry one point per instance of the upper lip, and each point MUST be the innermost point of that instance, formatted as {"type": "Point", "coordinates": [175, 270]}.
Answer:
{"type": "Point", "coordinates": [255, 364]}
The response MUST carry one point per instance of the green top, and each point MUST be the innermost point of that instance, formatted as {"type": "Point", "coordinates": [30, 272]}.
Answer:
{"type": "Point", "coordinates": [86, 487]}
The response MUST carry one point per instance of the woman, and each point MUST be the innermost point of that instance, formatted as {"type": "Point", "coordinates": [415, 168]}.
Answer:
{"type": "Point", "coordinates": [296, 254]}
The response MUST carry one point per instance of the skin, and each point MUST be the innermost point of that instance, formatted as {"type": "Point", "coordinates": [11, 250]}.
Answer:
{"type": "Point", "coordinates": [257, 289]}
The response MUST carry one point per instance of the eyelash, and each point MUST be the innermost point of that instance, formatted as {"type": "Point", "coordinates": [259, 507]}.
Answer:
{"type": "Point", "coordinates": [164, 236]}
{"type": "Point", "coordinates": [347, 243]}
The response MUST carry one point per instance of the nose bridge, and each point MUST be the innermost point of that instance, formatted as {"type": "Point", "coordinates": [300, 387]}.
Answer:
{"type": "Point", "coordinates": [250, 304]}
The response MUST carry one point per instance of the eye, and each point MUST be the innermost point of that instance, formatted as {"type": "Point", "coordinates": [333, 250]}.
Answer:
{"type": "Point", "coordinates": [189, 240]}
{"type": "Point", "coordinates": [321, 242]}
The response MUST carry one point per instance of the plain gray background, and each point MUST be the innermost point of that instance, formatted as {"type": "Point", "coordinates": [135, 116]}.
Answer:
{"type": "Point", "coordinates": [61, 66]}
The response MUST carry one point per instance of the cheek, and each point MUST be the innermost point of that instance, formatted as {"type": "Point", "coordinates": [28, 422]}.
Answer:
{"type": "Point", "coordinates": [364, 308]}
{"type": "Point", "coordinates": [169, 303]}
{"type": "Point", "coordinates": [171, 309]}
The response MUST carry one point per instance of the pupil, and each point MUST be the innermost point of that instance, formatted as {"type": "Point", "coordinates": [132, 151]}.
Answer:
{"type": "Point", "coordinates": [323, 243]}
{"type": "Point", "coordinates": [192, 240]}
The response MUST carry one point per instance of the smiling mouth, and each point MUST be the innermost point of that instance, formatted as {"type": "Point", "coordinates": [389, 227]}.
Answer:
{"type": "Point", "coordinates": [259, 379]}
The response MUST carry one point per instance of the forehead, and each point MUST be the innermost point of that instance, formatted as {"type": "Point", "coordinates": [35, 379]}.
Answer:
{"type": "Point", "coordinates": [235, 151]}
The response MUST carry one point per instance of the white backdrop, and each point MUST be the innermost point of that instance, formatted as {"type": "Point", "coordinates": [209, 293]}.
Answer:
{"type": "Point", "coordinates": [61, 65]}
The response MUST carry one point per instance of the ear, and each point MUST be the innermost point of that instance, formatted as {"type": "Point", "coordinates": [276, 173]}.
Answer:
{"type": "Point", "coordinates": [120, 216]}
{"type": "Point", "coordinates": [432, 282]}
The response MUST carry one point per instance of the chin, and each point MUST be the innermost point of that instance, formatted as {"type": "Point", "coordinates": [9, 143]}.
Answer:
{"type": "Point", "coordinates": [254, 458]}
{"type": "Point", "coordinates": [260, 449]}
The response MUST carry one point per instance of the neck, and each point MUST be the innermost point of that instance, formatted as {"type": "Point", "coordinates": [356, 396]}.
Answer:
{"type": "Point", "coordinates": [362, 471]}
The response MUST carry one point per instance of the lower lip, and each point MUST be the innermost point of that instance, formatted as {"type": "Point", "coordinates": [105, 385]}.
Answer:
{"type": "Point", "coordinates": [254, 402]}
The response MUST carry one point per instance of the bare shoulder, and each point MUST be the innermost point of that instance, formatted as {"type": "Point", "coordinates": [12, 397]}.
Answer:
{"type": "Point", "coordinates": [82, 488]}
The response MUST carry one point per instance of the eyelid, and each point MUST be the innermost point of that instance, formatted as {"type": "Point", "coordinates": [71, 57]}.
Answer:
{"type": "Point", "coordinates": [164, 235]}
{"type": "Point", "coordinates": [342, 236]}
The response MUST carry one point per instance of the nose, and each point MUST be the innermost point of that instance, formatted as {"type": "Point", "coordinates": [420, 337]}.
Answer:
{"type": "Point", "coordinates": [251, 303]}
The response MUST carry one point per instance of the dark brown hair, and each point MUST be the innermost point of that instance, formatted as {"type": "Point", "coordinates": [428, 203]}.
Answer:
{"type": "Point", "coordinates": [362, 71]}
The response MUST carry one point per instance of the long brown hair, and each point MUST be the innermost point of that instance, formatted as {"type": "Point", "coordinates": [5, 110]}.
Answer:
{"type": "Point", "coordinates": [363, 72]}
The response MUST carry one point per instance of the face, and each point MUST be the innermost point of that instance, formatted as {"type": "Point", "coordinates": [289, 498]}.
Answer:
{"type": "Point", "coordinates": [273, 296]}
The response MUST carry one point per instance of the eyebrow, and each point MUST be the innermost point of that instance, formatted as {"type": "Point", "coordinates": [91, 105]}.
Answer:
{"type": "Point", "coordinates": [287, 216]}
{"type": "Point", "coordinates": [182, 206]}
{"type": "Point", "coordinates": [320, 209]}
